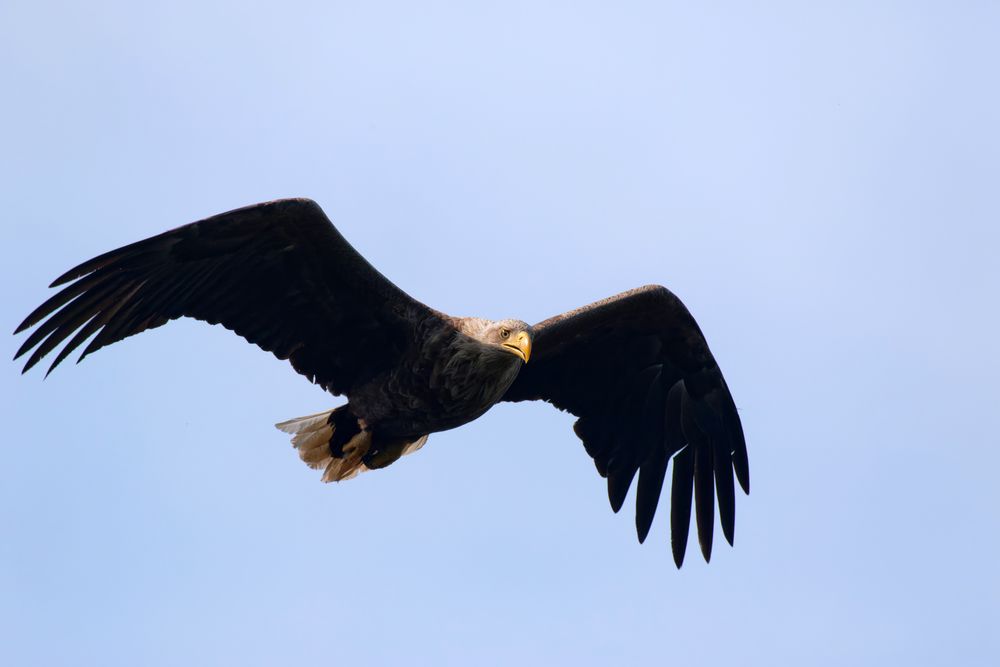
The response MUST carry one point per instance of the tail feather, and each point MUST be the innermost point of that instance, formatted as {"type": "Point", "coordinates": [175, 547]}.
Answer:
{"type": "Point", "coordinates": [319, 439]}
{"type": "Point", "coordinates": [313, 435]}
{"type": "Point", "coordinates": [414, 446]}
{"type": "Point", "coordinates": [306, 424]}
{"type": "Point", "coordinates": [387, 453]}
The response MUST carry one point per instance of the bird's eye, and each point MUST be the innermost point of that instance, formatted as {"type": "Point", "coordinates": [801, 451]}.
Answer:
{"type": "Point", "coordinates": [505, 333]}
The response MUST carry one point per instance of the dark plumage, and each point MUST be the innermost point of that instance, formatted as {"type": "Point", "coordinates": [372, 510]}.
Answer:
{"type": "Point", "coordinates": [634, 368]}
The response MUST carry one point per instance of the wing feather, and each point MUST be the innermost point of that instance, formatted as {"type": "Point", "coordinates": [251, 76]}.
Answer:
{"type": "Point", "coordinates": [278, 274]}
{"type": "Point", "coordinates": [636, 370]}
{"type": "Point", "coordinates": [704, 501]}
{"type": "Point", "coordinates": [85, 332]}
{"type": "Point", "coordinates": [680, 503]}
{"type": "Point", "coordinates": [633, 439]}
{"type": "Point", "coordinates": [653, 469]}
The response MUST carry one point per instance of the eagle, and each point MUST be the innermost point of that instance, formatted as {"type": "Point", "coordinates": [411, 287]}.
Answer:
{"type": "Point", "coordinates": [633, 368]}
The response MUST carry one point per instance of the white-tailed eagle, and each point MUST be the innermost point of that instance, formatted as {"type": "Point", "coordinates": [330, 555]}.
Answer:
{"type": "Point", "coordinates": [634, 368]}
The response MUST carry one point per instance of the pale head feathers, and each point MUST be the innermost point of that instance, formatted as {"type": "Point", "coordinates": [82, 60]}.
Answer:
{"type": "Point", "coordinates": [492, 332]}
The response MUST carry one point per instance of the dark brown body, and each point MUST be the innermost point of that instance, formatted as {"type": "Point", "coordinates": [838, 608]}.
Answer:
{"type": "Point", "coordinates": [444, 381]}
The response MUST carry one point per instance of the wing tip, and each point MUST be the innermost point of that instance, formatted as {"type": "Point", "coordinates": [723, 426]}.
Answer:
{"type": "Point", "coordinates": [642, 531]}
{"type": "Point", "coordinates": [616, 502]}
{"type": "Point", "coordinates": [678, 549]}
{"type": "Point", "coordinates": [78, 271]}
{"type": "Point", "coordinates": [743, 477]}
{"type": "Point", "coordinates": [618, 486]}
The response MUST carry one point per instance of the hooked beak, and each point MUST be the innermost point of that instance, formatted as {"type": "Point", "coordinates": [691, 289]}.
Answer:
{"type": "Point", "coordinates": [520, 345]}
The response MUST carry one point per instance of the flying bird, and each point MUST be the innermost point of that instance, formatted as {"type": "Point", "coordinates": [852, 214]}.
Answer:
{"type": "Point", "coordinates": [634, 368]}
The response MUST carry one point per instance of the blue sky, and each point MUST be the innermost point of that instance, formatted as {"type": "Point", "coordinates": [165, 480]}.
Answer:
{"type": "Point", "coordinates": [817, 181]}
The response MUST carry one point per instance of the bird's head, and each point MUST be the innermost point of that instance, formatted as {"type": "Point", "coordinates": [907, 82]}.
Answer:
{"type": "Point", "coordinates": [512, 336]}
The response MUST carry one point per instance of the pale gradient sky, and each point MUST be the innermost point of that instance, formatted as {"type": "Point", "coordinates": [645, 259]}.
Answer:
{"type": "Point", "coordinates": [818, 182]}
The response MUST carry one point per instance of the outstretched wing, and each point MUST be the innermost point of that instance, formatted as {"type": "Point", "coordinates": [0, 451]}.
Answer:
{"type": "Point", "coordinates": [279, 274]}
{"type": "Point", "coordinates": [636, 370]}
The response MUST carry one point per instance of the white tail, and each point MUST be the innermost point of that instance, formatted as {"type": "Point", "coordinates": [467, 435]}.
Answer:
{"type": "Point", "coordinates": [311, 436]}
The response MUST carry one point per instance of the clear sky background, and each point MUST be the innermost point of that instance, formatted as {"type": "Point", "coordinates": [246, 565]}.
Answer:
{"type": "Point", "coordinates": [818, 182]}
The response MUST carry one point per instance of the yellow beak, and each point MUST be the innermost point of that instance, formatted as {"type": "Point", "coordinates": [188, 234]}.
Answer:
{"type": "Point", "coordinates": [521, 346]}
